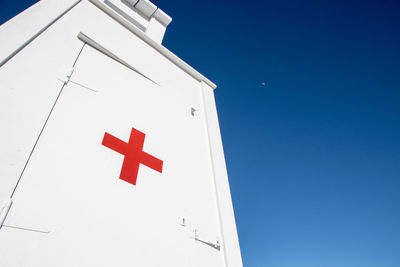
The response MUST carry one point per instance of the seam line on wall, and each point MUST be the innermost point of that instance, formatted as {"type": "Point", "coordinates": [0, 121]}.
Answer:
{"type": "Point", "coordinates": [41, 131]}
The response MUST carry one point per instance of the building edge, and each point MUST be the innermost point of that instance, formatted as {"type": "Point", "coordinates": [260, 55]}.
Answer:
{"type": "Point", "coordinates": [47, 12]}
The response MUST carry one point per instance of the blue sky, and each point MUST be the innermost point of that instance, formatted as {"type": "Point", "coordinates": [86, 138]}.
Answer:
{"type": "Point", "coordinates": [313, 154]}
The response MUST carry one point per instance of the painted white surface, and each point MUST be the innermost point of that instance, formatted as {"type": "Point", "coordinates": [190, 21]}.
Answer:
{"type": "Point", "coordinates": [76, 209]}
{"type": "Point", "coordinates": [128, 11]}
{"type": "Point", "coordinates": [146, 7]}
{"type": "Point", "coordinates": [224, 201]}
{"type": "Point", "coordinates": [4, 209]}
{"type": "Point", "coordinates": [71, 186]}
{"type": "Point", "coordinates": [162, 17]}
{"type": "Point", "coordinates": [29, 86]}
{"type": "Point", "coordinates": [158, 47]}
{"type": "Point", "coordinates": [155, 30]}
{"type": "Point", "coordinates": [15, 32]}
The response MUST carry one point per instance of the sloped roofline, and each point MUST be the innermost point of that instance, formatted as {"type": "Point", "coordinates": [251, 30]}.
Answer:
{"type": "Point", "coordinates": [160, 48]}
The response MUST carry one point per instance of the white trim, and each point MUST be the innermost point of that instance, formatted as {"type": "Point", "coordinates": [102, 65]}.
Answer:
{"type": "Point", "coordinates": [230, 240]}
{"type": "Point", "coordinates": [162, 17]}
{"type": "Point", "coordinates": [161, 49]}
{"type": "Point", "coordinates": [212, 161]}
{"type": "Point", "coordinates": [87, 40]}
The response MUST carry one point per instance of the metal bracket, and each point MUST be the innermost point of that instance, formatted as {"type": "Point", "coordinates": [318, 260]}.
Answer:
{"type": "Point", "coordinates": [5, 207]}
{"type": "Point", "coordinates": [182, 221]}
{"type": "Point", "coordinates": [216, 245]}
{"type": "Point", "coordinates": [67, 77]}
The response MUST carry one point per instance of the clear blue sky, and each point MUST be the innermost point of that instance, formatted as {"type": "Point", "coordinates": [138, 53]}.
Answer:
{"type": "Point", "coordinates": [314, 154]}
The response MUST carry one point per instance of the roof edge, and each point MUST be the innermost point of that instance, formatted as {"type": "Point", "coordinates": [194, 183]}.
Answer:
{"type": "Point", "coordinates": [160, 48]}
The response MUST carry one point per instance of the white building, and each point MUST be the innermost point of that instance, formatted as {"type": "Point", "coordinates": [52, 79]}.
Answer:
{"type": "Point", "coordinates": [111, 152]}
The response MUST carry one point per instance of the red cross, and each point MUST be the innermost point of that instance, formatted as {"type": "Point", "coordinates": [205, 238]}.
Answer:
{"type": "Point", "coordinates": [134, 155]}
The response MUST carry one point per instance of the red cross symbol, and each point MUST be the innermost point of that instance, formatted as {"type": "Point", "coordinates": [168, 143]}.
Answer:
{"type": "Point", "coordinates": [134, 155]}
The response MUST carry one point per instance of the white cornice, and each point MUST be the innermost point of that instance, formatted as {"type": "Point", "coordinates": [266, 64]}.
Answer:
{"type": "Point", "coordinates": [161, 49]}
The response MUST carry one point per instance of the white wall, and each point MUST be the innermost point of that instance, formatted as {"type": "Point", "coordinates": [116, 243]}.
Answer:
{"type": "Point", "coordinates": [76, 210]}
